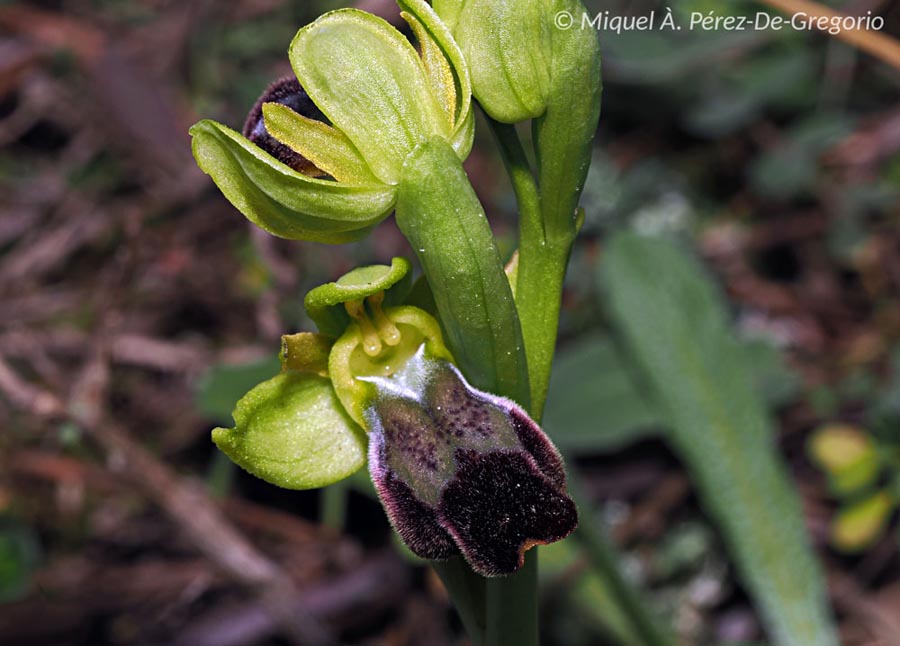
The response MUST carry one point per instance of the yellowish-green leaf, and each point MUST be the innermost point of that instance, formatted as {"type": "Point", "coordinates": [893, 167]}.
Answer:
{"type": "Point", "coordinates": [675, 325]}
{"type": "Point", "coordinates": [848, 455]}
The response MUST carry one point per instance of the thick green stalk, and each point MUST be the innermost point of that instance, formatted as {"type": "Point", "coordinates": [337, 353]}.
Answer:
{"type": "Point", "coordinates": [468, 592]}
{"type": "Point", "coordinates": [512, 606]}
{"type": "Point", "coordinates": [542, 268]}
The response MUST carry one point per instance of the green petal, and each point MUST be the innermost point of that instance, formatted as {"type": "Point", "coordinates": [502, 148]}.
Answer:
{"type": "Point", "coordinates": [282, 201]}
{"type": "Point", "coordinates": [441, 42]}
{"type": "Point", "coordinates": [324, 304]}
{"type": "Point", "coordinates": [326, 147]}
{"type": "Point", "coordinates": [370, 83]}
{"type": "Point", "coordinates": [293, 432]}
{"type": "Point", "coordinates": [449, 11]}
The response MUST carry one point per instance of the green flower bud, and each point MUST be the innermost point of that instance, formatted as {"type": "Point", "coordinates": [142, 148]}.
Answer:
{"type": "Point", "coordinates": [506, 45]}
{"type": "Point", "coordinates": [524, 66]}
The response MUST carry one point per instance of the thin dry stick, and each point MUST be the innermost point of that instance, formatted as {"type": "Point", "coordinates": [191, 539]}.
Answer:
{"type": "Point", "coordinates": [875, 43]}
{"type": "Point", "coordinates": [189, 506]}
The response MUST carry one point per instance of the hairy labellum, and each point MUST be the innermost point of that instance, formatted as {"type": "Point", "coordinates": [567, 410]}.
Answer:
{"type": "Point", "coordinates": [289, 92]}
{"type": "Point", "coordinates": [459, 470]}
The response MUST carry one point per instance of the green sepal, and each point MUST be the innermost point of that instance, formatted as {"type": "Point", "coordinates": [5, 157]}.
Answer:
{"type": "Point", "coordinates": [449, 11]}
{"type": "Point", "coordinates": [305, 352]}
{"type": "Point", "coordinates": [292, 432]}
{"type": "Point", "coordinates": [506, 43]}
{"type": "Point", "coordinates": [325, 304]}
{"type": "Point", "coordinates": [564, 133]}
{"type": "Point", "coordinates": [282, 201]}
{"type": "Point", "coordinates": [371, 84]}
{"type": "Point", "coordinates": [349, 365]}
{"type": "Point", "coordinates": [326, 147]}
{"type": "Point", "coordinates": [440, 215]}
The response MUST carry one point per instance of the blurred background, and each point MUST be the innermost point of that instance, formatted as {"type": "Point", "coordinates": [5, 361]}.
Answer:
{"type": "Point", "coordinates": [138, 306]}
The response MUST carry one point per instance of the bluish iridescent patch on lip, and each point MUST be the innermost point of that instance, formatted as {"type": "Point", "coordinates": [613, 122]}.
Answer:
{"type": "Point", "coordinates": [459, 470]}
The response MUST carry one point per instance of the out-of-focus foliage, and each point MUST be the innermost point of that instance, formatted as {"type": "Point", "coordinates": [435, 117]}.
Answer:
{"type": "Point", "coordinates": [674, 324]}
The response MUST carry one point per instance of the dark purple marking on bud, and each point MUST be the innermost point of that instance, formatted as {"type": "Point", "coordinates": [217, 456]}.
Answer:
{"type": "Point", "coordinates": [499, 505]}
{"type": "Point", "coordinates": [289, 92]}
{"type": "Point", "coordinates": [461, 470]}
{"type": "Point", "coordinates": [415, 522]}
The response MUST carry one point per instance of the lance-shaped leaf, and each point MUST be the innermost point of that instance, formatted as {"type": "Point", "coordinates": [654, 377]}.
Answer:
{"type": "Point", "coordinates": [674, 324]}
{"type": "Point", "coordinates": [440, 215]}
{"type": "Point", "coordinates": [293, 432]}
{"type": "Point", "coordinates": [461, 470]}
{"type": "Point", "coordinates": [371, 84]}
{"type": "Point", "coordinates": [282, 201]}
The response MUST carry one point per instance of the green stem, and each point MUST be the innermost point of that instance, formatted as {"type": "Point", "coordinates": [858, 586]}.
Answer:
{"type": "Point", "coordinates": [333, 503]}
{"type": "Point", "coordinates": [542, 268]}
{"type": "Point", "coordinates": [604, 559]}
{"type": "Point", "coordinates": [512, 606]}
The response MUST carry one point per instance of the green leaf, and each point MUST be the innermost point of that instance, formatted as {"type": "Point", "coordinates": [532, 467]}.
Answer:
{"type": "Point", "coordinates": [326, 147]}
{"type": "Point", "coordinates": [222, 386]}
{"type": "Point", "coordinates": [293, 432]}
{"type": "Point", "coordinates": [593, 404]}
{"type": "Point", "coordinates": [19, 557]}
{"type": "Point", "coordinates": [370, 83]}
{"type": "Point", "coordinates": [282, 201]}
{"type": "Point", "coordinates": [440, 215]}
{"type": "Point", "coordinates": [674, 323]}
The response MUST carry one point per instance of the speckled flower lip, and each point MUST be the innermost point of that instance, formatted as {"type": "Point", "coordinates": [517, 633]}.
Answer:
{"type": "Point", "coordinates": [463, 471]}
